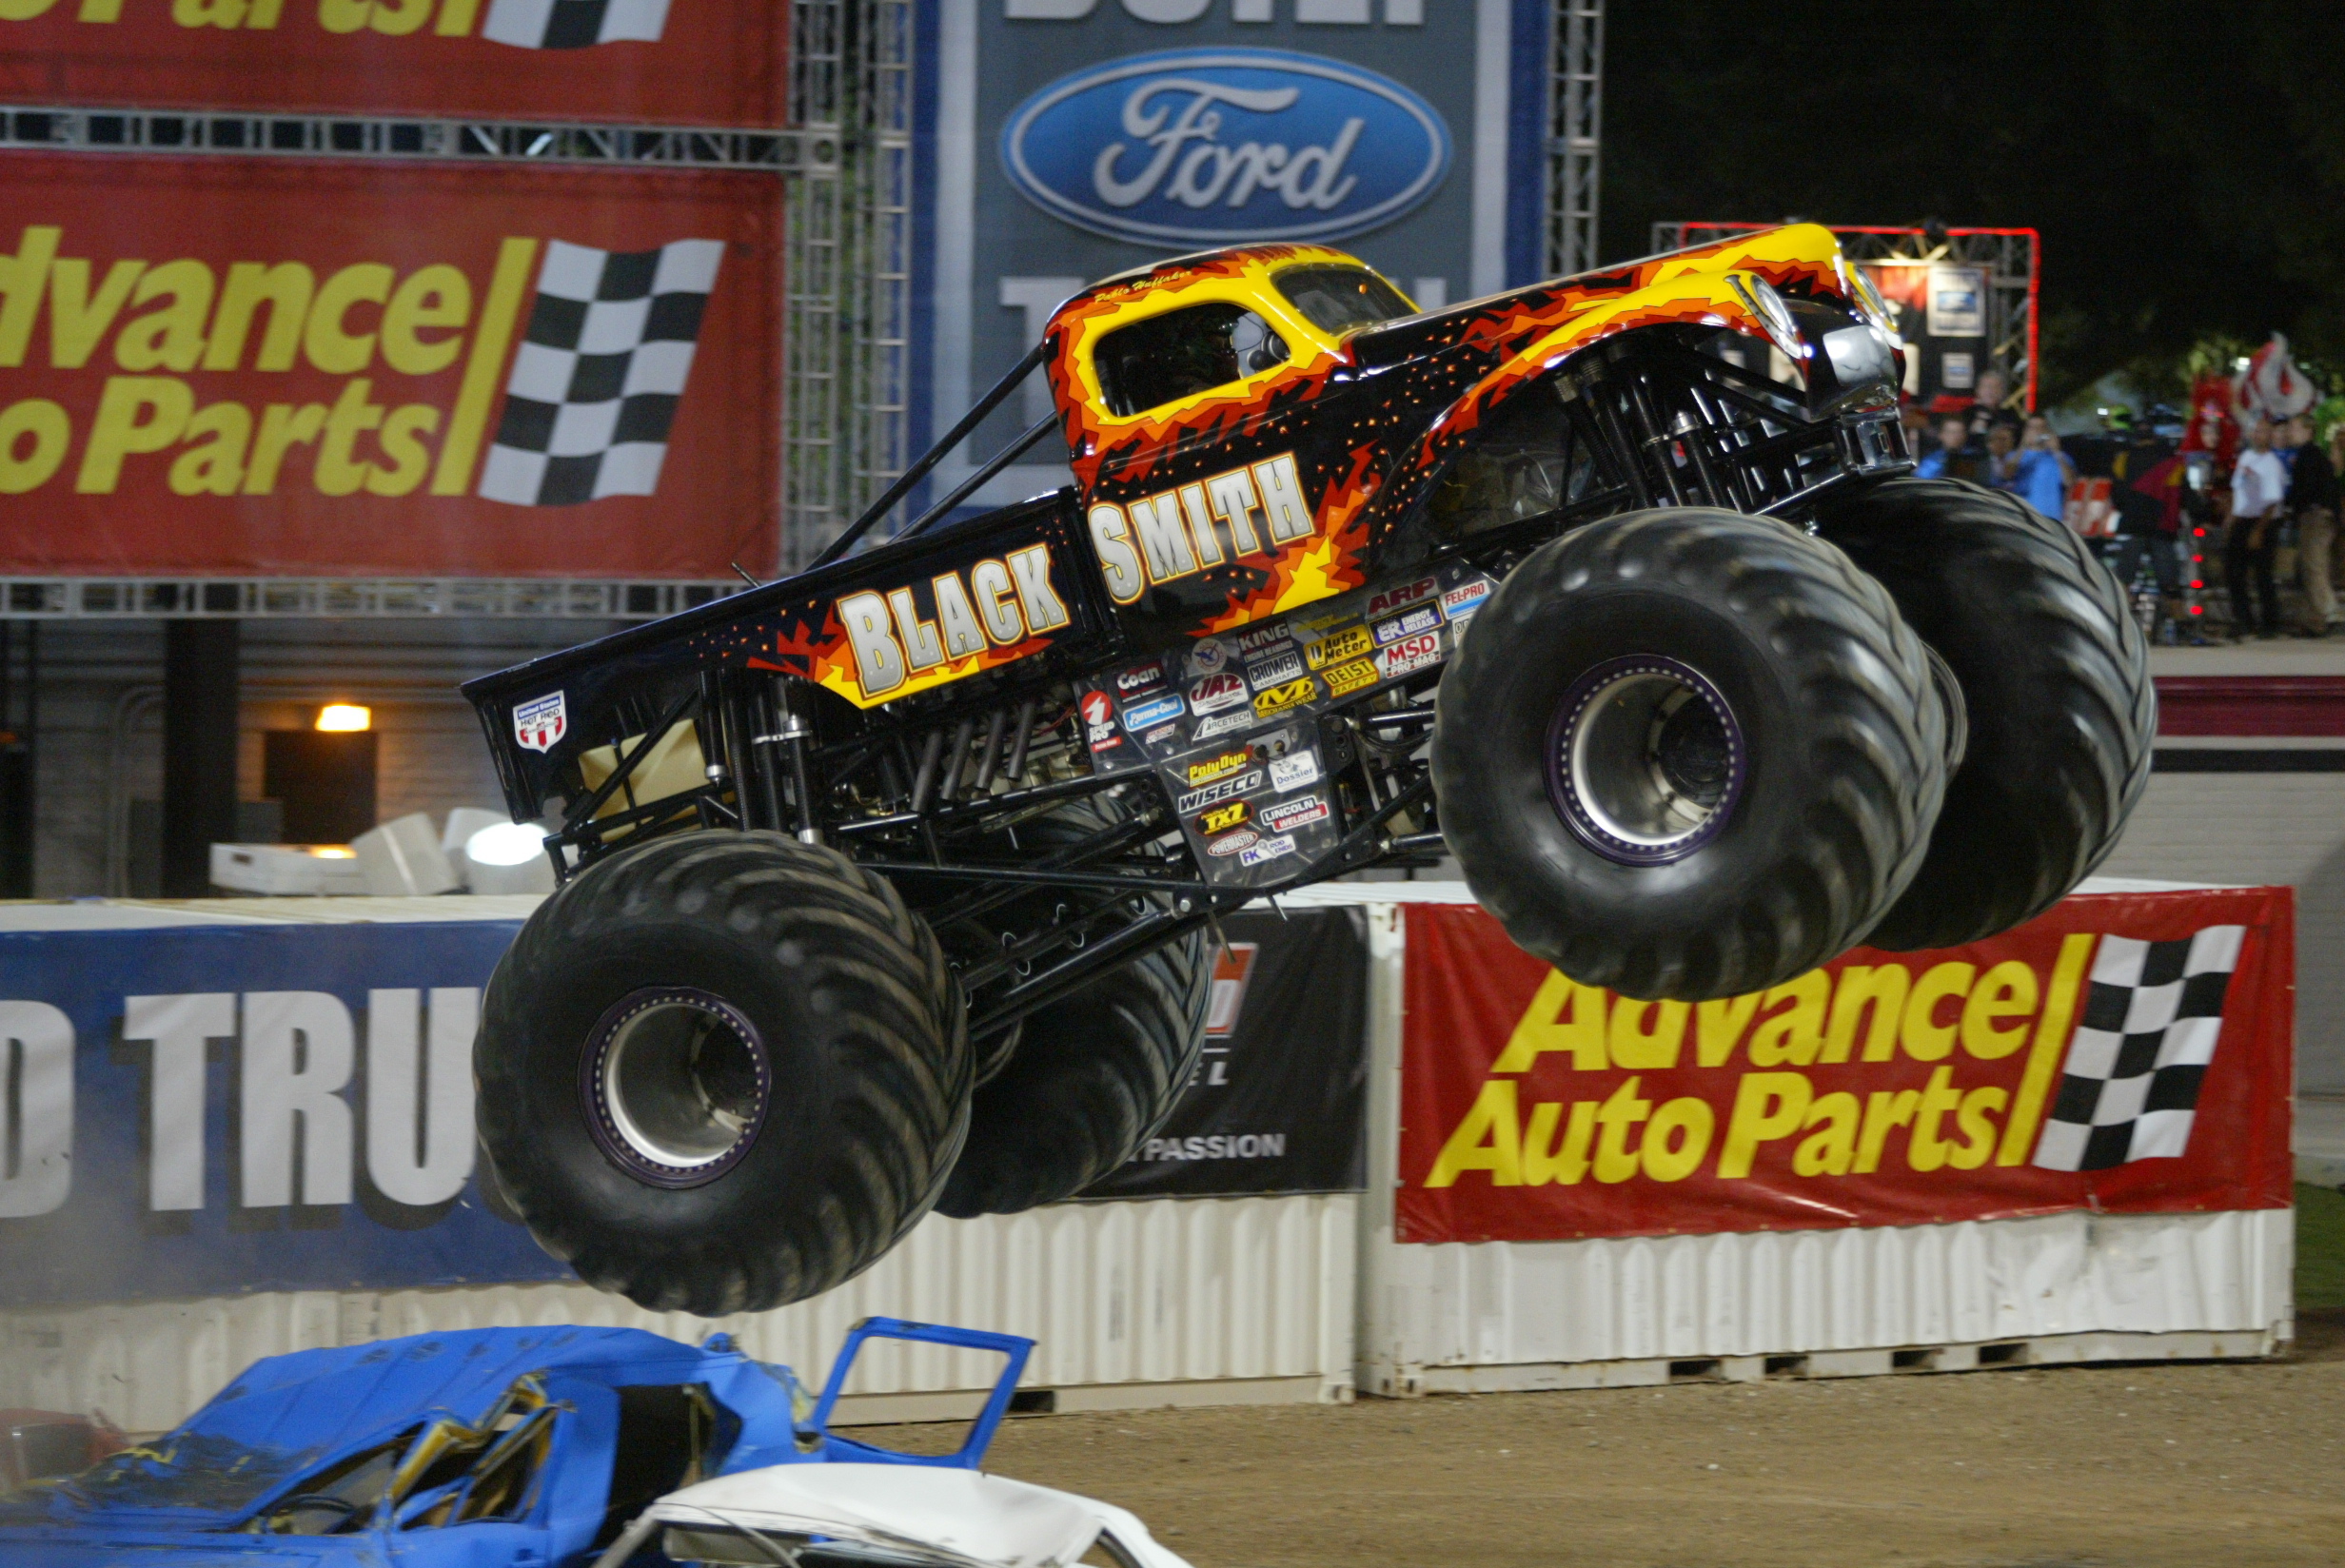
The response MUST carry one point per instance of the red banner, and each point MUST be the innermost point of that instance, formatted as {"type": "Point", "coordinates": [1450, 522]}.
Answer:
{"type": "Point", "coordinates": [235, 367]}
{"type": "Point", "coordinates": [2125, 1053]}
{"type": "Point", "coordinates": [648, 62]}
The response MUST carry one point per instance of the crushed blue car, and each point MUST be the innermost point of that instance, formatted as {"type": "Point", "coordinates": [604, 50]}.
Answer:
{"type": "Point", "coordinates": [482, 1448]}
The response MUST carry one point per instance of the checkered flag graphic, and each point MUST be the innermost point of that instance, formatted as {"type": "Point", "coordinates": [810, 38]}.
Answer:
{"type": "Point", "coordinates": [2151, 1018]}
{"type": "Point", "coordinates": [573, 24]}
{"type": "Point", "coordinates": [595, 385]}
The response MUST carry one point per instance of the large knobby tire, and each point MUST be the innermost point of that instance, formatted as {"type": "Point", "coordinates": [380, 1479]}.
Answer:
{"type": "Point", "coordinates": [722, 1071]}
{"type": "Point", "coordinates": [2055, 675]}
{"type": "Point", "coordinates": [1688, 753]}
{"type": "Point", "coordinates": [1090, 1076]}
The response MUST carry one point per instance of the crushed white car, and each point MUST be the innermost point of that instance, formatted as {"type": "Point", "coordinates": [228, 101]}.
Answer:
{"type": "Point", "coordinates": [886, 1516]}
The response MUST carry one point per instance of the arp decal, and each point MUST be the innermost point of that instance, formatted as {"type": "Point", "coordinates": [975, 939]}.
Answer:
{"type": "Point", "coordinates": [1425, 617]}
{"type": "Point", "coordinates": [1222, 818]}
{"type": "Point", "coordinates": [1292, 695]}
{"type": "Point", "coordinates": [1212, 794]}
{"type": "Point", "coordinates": [1155, 710]}
{"type": "Point", "coordinates": [1410, 655]}
{"type": "Point", "coordinates": [1255, 510]}
{"type": "Point", "coordinates": [1335, 650]}
{"type": "Point", "coordinates": [1398, 596]}
{"type": "Point", "coordinates": [1347, 678]}
{"type": "Point", "coordinates": [1217, 692]}
{"type": "Point", "coordinates": [1290, 814]}
{"type": "Point", "coordinates": [1219, 767]}
{"type": "Point", "coordinates": [540, 721]}
{"type": "Point", "coordinates": [1292, 772]}
{"type": "Point", "coordinates": [973, 623]}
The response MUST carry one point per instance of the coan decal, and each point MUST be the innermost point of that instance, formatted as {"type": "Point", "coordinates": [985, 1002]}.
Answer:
{"type": "Point", "coordinates": [1254, 510]}
{"type": "Point", "coordinates": [969, 624]}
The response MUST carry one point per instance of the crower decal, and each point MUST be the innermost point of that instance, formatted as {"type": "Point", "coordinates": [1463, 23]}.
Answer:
{"type": "Point", "coordinates": [1257, 509]}
{"type": "Point", "coordinates": [911, 638]}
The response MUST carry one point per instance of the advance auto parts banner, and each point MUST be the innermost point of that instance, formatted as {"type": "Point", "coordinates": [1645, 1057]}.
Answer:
{"type": "Point", "coordinates": [2127, 1053]}
{"type": "Point", "coordinates": [1279, 1099]}
{"type": "Point", "coordinates": [221, 366]}
{"type": "Point", "coordinates": [648, 62]}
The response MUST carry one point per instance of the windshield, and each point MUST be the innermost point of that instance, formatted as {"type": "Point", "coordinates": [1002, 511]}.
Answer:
{"type": "Point", "coordinates": [1336, 299]}
{"type": "Point", "coordinates": [186, 1470]}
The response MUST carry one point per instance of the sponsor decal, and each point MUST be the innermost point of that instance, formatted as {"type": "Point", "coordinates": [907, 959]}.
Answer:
{"type": "Point", "coordinates": [1208, 655]}
{"type": "Point", "coordinates": [1214, 794]}
{"type": "Point", "coordinates": [1400, 597]}
{"type": "Point", "coordinates": [1292, 772]}
{"type": "Point", "coordinates": [1465, 598]}
{"type": "Point", "coordinates": [1213, 147]}
{"type": "Point", "coordinates": [1099, 722]}
{"type": "Point", "coordinates": [1273, 670]}
{"type": "Point", "coordinates": [1236, 843]}
{"type": "Point", "coordinates": [1155, 710]}
{"type": "Point", "coordinates": [1258, 509]}
{"type": "Point", "coordinates": [1335, 650]}
{"type": "Point", "coordinates": [1231, 970]}
{"type": "Point", "coordinates": [1290, 814]}
{"type": "Point", "coordinates": [1219, 767]}
{"type": "Point", "coordinates": [1217, 692]}
{"type": "Point", "coordinates": [1140, 679]}
{"type": "Point", "coordinates": [1347, 678]}
{"type": "Point", "coordinates": [1270, 848]}
{"type": "Point", "coordinates": [1158, 737]}
{"type": "Point", "coordinates": [1255, 639]}
{"type": "Point", "coordinates": [1221, 724]}
{"type": "Point", "coordinates": [1292, 695]}
{"type": "Point", "coordinates": [1222, 818]}
{"type": "Point", "coordinates": [1426, 617]}
{"type": "Point", "coordinates": [1409, 655]}
{"type": "Point", "coordinates": [540, 721]}
{"type": "Point", "coordinates": [996, 604]}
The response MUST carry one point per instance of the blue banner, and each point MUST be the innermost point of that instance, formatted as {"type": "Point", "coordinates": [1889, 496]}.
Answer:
{"type": "Point", "coordinates": [208, 1110]}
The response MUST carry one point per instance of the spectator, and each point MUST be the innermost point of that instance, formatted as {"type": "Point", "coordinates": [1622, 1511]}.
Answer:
{"type": "Point", "coordinates": [1953, 460]}
{"type": "Point", "coordinates": [2258, 486]}
{"type": "Point", "coordinates": [2030, 465]}
{"type": "Point", "coordinates": [1916, 420]}
{"type": "Point", "coordinates": [1990, 396]}
{"type": "Point", "coordinates": [2312, 497]}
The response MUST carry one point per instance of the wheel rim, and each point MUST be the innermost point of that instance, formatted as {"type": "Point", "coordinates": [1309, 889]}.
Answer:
{"type": "Point", "coordinates": [1645, 760]}
{"type": "Point", "coordinates": [676, 1085]}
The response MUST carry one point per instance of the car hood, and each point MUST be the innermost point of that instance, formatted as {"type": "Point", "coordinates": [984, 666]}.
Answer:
{"type": "Point", "coordinates": [64, 1546]}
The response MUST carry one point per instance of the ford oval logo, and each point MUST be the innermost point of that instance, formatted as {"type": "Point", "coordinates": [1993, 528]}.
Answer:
{"type": "Point", "coordinates": [1226, 145]}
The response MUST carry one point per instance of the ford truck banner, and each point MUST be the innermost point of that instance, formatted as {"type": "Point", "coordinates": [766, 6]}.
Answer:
{"type": "Point", "coordinates": [224, 366]}
{"type": "Point", "coordinates": [2126, 1053]}
{"type": "Point", "coordinates": [200, 1111]}
{"type": "Point", "coordinates": [648, 62]}
{"type": "Point", "coordinates": [1072, 139]}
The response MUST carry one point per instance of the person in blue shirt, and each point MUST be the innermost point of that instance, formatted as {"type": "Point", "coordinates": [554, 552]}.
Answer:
{"type": "Point", "coordinates": [2032, 470]}
{"type": "Point", "coordinates": [1953, 460]}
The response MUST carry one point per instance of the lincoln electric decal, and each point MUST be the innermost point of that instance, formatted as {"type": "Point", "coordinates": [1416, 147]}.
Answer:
{"type": "Point", "coordinates": [1215, 146]}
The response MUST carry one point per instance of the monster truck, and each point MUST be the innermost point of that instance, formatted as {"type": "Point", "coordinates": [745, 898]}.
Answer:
{"type": "Point", "coordinates": [889, 885]}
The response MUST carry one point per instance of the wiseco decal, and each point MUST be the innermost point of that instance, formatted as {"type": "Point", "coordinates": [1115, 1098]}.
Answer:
{"type": "Point", "coordinates": [969, 624]}
{"type": "Point", "coordinates": [1160, 539]}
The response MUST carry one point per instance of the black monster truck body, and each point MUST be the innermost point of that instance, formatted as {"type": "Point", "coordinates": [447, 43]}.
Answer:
{"type": "Point", "coordinates": [1685, 747]}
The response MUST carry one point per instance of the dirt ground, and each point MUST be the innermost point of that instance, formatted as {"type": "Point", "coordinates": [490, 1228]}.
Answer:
{"type": "Point", "coordinates": [2128, 1467]}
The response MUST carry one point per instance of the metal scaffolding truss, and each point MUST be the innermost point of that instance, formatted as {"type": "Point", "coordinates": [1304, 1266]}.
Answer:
{"type": "Point", "coordinates": [1575, 122]}
{"type": "Point", "coordinates": [2011, 258]}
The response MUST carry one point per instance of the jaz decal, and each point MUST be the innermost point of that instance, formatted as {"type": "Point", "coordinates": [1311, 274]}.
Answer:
{"type": "Point", "coordinates": [989, 618]}
{"type": "Point", "coordinates": [1254, 510]}
{"type": "Point", "coordinates": [541, 722]}
{"type": "Point", "coordinates": [1217, 692]}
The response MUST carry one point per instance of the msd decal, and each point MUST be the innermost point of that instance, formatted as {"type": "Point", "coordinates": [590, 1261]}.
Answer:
{"type": "Point", "coordinates": [972, 623]}
{"type": "Point", "coordinates": [1255, 510]}
{"type": "Point", "coordinates": [540, 721]}
{"type": "Point", "coordinates": [1208, 147]}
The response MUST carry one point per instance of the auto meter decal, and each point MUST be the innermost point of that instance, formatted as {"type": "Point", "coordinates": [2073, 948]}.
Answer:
{"type": "Point", "coordinates": [1335, 649]}
{"type": "Point", "coordinates": [1205, 148]}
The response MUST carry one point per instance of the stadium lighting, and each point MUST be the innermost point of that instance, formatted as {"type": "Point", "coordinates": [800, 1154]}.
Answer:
{"type": "Point", "coordinates": [343, 717]}
{"type": "Point", "coordinates": [506, 844]}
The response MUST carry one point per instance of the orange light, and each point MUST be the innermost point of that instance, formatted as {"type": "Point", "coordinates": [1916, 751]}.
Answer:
{"type": "Point", "coordinates": [344, 716]}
